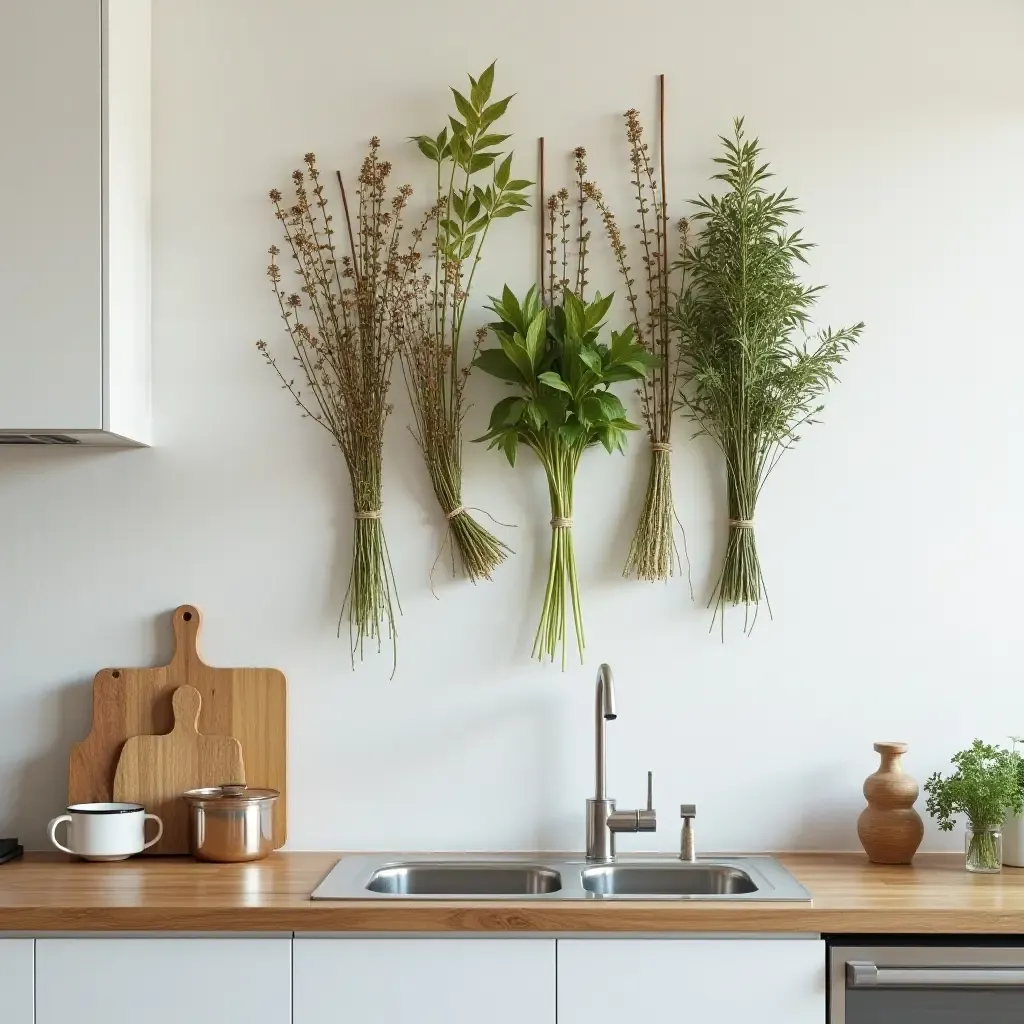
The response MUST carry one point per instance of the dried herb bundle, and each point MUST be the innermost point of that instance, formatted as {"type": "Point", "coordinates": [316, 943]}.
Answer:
{"type": "Point", "coordinates": [653, 554]}
{"type": "Point", "coordinates": [340, 326]}
{"type": "Point", "coordinates": [437, 298]}
{"type": "Point", "coordinates": [749, 382]}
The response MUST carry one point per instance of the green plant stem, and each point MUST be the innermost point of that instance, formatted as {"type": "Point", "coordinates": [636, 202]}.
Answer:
{"type": "Point", "coordinates": [653, 554]}
{"type": "Point", "coordinates": [982, 850]}
{"type": "Point", "coordinates": [741, 581]}
{"type": "Point", "coordinates": [481, 552]}
{"type": "Point", "coordinates": [442, 334]}
{"type": "Point", "coordinates": [371, 597]}
{"type": "Point", "coordinates": [560, 461]}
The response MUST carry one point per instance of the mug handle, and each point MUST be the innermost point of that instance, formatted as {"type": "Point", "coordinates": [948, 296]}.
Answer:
{"type": "Point", "coordinates": [159, 830]}
{"type": "Point", "coordinates": [52, 829]}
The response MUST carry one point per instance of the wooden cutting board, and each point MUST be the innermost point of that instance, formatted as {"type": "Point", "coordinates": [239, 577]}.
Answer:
{"type": "Point", "coordinates": [155, 770]}
{"type": "Point", "coordinates": [249, 704]}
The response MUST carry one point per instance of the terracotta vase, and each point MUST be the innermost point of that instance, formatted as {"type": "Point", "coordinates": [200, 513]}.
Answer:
{"type": "Point", "coordinates": [889, 828]}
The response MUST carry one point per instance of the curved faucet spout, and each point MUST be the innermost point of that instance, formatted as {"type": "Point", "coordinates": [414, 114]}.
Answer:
{"type": "Point", "coordinates": [605, 693]}
{"type": "Point", "coordinates": [604, 712]}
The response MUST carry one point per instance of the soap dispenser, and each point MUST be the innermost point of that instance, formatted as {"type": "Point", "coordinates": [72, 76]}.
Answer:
{"type": "Point", "coordinates": [687, 849]}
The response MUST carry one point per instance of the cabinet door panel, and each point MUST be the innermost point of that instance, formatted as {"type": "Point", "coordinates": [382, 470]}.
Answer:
{"type": "Point", "coordinates": [724, 981]}
{"type": "Point", "coordinates": [163, 981]}
{"type": "Point", "coordinates": [429, 981]}
{"type": "Point", "coordinates": [16, 981]}
{"type": "Point", "coordinates": [51, 259]}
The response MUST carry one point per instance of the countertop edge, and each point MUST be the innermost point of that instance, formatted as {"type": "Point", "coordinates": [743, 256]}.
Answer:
{"type": "Point", "coordinates": [46, 894]}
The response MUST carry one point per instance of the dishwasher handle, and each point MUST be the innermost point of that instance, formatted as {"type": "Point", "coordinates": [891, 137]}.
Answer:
{"type": "Point", "coordinates": [865, 974]}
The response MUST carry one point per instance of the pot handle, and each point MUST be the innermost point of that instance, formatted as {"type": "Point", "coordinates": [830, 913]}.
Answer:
{"type": "Point", "coordinates": [159, 830]}
{"type": "Point", "coordinates": [52, 830]}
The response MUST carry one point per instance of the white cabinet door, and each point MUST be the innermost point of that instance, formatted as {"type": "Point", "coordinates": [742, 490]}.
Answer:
{"type": "Point", "coordinates": [718, 981]}
{"type": "Point", "coordinates": [163, 981]}
{"type": "Point", "coordinates": [75, 176]}
{"type": "Point", "coordinates": [16, 981]}
{"type": "Point", "coordinates": [426, 981]}
{"type": "Point", "coordinates": [51, 256]}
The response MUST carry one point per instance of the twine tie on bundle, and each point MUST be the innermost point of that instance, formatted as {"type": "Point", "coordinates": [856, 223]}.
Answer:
{"type": "Point", "coordinates": [560, 523]}
{"type": "Point", "coordinates": [660, 446]}
{"type": "Point", "coordinates": [742, 524]}
{"type": "Point", "coordinates": [455, 512]}
{"type": "Point", "coordinates": [375, 514]}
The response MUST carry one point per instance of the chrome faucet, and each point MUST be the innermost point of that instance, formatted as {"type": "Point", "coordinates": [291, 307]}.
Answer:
{"type": "Point", "coordinates": [603, 821]}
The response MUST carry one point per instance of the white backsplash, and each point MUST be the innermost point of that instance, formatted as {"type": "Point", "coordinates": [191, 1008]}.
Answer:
{"type": "Point", "coordinates": [888, 540]}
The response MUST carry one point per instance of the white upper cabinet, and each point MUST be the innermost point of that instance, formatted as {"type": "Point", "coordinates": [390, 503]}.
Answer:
{"type": "Point", "coordinates": [75, 236]}
{"type": "Point", "coordinates": [720, 981]}
{"type": "Point", "coordinates": [426, 981]}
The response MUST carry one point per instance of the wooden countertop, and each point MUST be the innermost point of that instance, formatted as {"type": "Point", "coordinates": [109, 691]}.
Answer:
{"type": "Point", "coordinates": [44, 893]}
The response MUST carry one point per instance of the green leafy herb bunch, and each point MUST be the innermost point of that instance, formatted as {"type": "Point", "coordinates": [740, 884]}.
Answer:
{"type": "Point", "coordinates": [561, 374]}
{"type": "Point", "coordinates": [983, 788]}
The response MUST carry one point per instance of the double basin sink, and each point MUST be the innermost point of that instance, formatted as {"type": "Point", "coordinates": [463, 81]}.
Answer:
{"type": "Point", "coordinates": [543, 877]}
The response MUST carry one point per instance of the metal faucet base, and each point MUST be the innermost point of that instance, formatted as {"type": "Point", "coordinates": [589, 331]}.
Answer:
{"type": "Point", "coordinates": [600, 839]}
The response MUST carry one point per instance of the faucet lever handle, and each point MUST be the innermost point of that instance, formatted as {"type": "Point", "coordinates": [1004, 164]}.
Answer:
{"type": "Point", "coordinates": [650, 791]}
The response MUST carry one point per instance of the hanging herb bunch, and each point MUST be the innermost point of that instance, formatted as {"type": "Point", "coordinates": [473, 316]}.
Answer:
{"type": "Point", "coordinates": [653, 553]}
{"type": "Point", "coordinates": [752, 378]}
{"type": "Point", "coordinates": [437, 296]}
{"type": "Point", "coordinates": [339, 323]}
{"type": "Point", "coordinates": [561, 373]}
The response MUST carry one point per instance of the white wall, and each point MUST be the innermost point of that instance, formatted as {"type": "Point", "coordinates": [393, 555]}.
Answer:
{"type": "Point", "coordinates": [889, 540]}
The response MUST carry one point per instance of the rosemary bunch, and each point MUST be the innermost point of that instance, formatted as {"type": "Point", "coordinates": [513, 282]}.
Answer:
{"type": "Point", "coordinates": [653, 553]}
{"type": "Point", "coordinates": [561, 374]}
{"type": "Point", "coordinates": [438, 296]}
{"type": "Point", "coordinates": [750, 381]}
{"type": "Point", "coordinates": [340, 326]}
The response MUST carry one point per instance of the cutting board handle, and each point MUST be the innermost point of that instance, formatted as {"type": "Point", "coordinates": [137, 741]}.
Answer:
{"type": "Point", "coordinates": [187, 702]}
{"type": "Point", "coordinates": [186, 621]}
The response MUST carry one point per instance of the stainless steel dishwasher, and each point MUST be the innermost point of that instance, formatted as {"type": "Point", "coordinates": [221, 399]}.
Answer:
{"type": "Point", "coordinates": [909, 983]}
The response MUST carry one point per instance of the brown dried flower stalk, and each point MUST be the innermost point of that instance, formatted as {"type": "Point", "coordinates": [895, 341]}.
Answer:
{"type": "Point", "coordinates": [653, 554]}
{"type": "Point", "coordinates": [437, 296]}
{"type": "Point", "coordinates": [341, 326]}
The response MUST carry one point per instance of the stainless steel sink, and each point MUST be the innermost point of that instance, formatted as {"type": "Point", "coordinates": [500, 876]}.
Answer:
{"type": "Point", "coordinates": [600, 875]}
{"type": "Point", "coordinates": [459, 878]}
{"type": "Point", "coordinates": [541, 876]}
{"type": "Point", "coordinates": [681, 879]}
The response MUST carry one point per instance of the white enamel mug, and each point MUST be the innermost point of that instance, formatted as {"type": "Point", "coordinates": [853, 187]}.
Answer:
{"type": "Point", "coordinates": [108, 831]}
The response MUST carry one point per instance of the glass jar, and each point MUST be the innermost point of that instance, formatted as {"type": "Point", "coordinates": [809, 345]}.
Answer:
{"type": "Point", "coordinates": [984, 849]}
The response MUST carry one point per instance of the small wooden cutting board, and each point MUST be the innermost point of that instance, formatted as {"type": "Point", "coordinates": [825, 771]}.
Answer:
{"type": "Point", "coordinates": [155, 770]}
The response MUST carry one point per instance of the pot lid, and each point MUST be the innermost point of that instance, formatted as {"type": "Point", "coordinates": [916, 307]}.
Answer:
{"type": "Point", "coordinates": [231, 795]}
